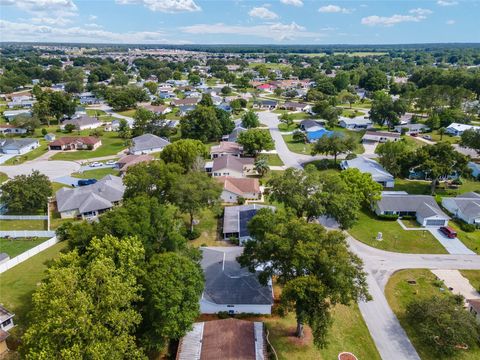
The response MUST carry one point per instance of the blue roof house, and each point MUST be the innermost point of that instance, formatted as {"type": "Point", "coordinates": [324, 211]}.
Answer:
{"type": "Point", "coordinates": [318, 134]}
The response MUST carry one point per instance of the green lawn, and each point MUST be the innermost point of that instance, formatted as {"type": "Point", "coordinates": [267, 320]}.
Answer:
{"type": "Point", "coordinates": [473, 276]}
{"type": "Point", "coordinates": [18, 283]}
{"type": "Point", "coordinates": [14, 247]}
{"type": "Point", "coordinates": [445, 138]}
{"type": "Point", "coordinates": [285, 128]}
{"type": "Point", "coordinates": [8, 225]}
{"type": "Point", "coordinates": [57, 186]}
{"type": "Point", "coordinates": [111, 145]}
{"type": "Point", "coordinates": [351, 113]}
{"type": "Point", "coordinates": [399, 293]}
{"type": "Point", "coordinates": [295, 116]}
{"type": "Point", "coordinates": [94, 112]}
{"type": "Point", "coordinates": [273, 160]}
{"type": "Point", "coordinates": [297, 147]}
{"type": "Point", "coordinates": [357, 135]}
{"type": "Point", "coordinates": [470, 239]}
{"type": "Point", "coordinates": [208, 226]}
{"type": "Point", "coordinates": [421, 187]}
{"type": "Point", "coordinates": [3, 177]}
{"type": "Point", "coordinates": [42, 149]}
{"type": "Point", "coordinates": [96, 174]}
{"type": "Point", "coordinates": [348, 333]}
{"type": "Point", "coordinates": [130, 113]}
{"type": "Point", "coordinates": [394, 237]}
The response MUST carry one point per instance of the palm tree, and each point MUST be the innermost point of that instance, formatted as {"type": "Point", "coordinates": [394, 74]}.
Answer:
{"type": "Point", "coordinates": [261, 166]}
{"type": "Point", "coordinates": [441, 132]}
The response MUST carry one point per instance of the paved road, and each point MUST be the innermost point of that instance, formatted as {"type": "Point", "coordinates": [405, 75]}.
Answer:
{"type": "Point", "coordinates": [53, 169]}
{"type": "Point", "coordinates": [387, 333]}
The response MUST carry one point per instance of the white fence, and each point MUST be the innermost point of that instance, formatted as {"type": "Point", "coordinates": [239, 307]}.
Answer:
{"type": "Point", "coordinates": [23, 217]}
{"type": "Point", "coordinates": [27, 254]}
{"type": "Point", "coordinates": [27, 233]}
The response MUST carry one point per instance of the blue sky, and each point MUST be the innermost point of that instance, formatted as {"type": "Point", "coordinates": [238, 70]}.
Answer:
{"type": "Point", "coordinates": [240, 21]}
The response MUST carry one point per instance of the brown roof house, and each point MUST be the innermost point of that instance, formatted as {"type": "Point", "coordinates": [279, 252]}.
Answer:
{"type": "Point", "coordinates": [227, 339]}
{"type": "Point", "coordinates": [125, 162]}
{"type": "Point", "coordinates": [232, 166]}
{"type": "Point", "coordinates": [226, 148]}
{"type": "Point", "coordinates": [233, 188]}
{"type": "Point", "coordinates": [75, 143]}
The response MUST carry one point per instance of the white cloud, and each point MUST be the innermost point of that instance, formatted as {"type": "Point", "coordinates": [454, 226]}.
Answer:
{"type": "Point", "coordinates": [262, 13]}
{"type": "Point", "coordinates": [44, 7]}
{"type": "Point", "coordinates": [92, 17]}
{"type": "Point", "coordinates": [276, 31]}
{"type": "Point", "coordinates": [421, 11]}
{"type": "Point", "coordinates": [334, 9]}
{"type": "Point", "coordinates": [446, 3]}
{"type": "Point", "coordinates": [15, 31]}
{"type": "Point", "coordinates": [292, 2]}
{"type": "Point", "coordinates": [375, 20]}
{"type": "Point", "coordinates": [450, 22]}
{"type": "Point", "coordinates": [93, 26]}
{"type": "Point", "coordinates": [60, 21]}
{"type": "Point", "coordinates": [166, 6]}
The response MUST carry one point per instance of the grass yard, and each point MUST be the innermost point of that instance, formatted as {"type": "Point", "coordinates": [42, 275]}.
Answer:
{"type": "Point", "coordinates": [348, 333]}
{"type": "Point", "coordinates": [285, 128]}
{"type": "Point", "coordinates": [130, 113]}
{"type": "Point", "coordinates": [399, 293]}
{"type": "Point", "coordinates": [111, 145]}
{"type": "Point", "coordinates": [42, 149]}
{"type": "Point", "coordinates": [470, 239]}
{"type": "Point", "coordinates": [94, 112]}
{"type": "Point", "coordinates": [14, 247]}
{"type": "Point", "coordinates": [3, 177]}
{"type": "Point", "coordinates": [18, 283]}
{"type": "Point", "coordinates": [351, 113]}
{"type": "Point", "coordinates": [394, 237]}
{"type": "Point", "coordinates": [7, 225]}
{"type": "Point", "coordinates": [357, 135]}
{"type": "Point", "coordinates": [422, 187]}
{"type": "Point", "coordinates": [273, 160]}
{"type": "Point", "coordinates": [445, 138]}
{"type": "Point", "coordinates": [473, 276]}
{"type": "Point", "coordinates": [57, 186]}
{"type": "Point", "coordinates": [411, 223]}
{"type": "Point", "coordinates": [295, 116]}
{"type": "Point", "coordinates": [297, 147]}
{"type": "Point", "coordinates": [96, 174]}
{"type": "Point", "coordinates": [209, 227]}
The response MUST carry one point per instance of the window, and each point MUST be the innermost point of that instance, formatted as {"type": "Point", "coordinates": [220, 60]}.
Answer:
{"type": "Point", "coordinates": [6, 322]}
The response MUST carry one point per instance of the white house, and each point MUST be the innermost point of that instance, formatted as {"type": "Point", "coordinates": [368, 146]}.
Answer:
{"type": "Point", "coordinates": [365, 165]}
{"type": "Point", "coordinates": [229, 287]}
{"type": "Point", "coordinates": [359, 122]}
{"type": "Point", "coordinates": [457, 129]}
{"type": "Point", "coordinates": [8, 129]}
{"type": "Point", "coordinates": [18, 146]}
{"type": "Point", "coordinates": [6, 319]}
{"type": "Point", "coordinates": [82, 123]}
{"type": "Point", "coordinates": [380, 136]}
{"type": "Point", "coordinates": [233, 188]}
{"type": "Point", "coordinates": [465, 207]}
{"type": "Point", "coordinates": [147, 143]}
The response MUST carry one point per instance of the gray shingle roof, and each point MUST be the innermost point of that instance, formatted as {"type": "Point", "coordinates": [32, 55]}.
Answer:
{"type": "Point", "coordinates": [468, 203]}
{"type": "Point", "coordinates": [231, 162]}
{"type": "Point", "coordinates": [16, 144]}
{"type": "Point", "coordinates": [228, 283]}
{"type": "Point", "coordinates": [370, 166]}
{"type": "Point", "coordinates": [98, 196]}
{"type": "Point", "coordinates": [423, 205]}
{"type": "Point", "coordinates": [147, 142]}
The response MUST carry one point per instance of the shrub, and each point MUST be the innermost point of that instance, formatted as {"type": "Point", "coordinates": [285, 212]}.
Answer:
{"type": "Point", "coordinates": [234, 240]}
{"type": "Point", "coordinates": [193, 234]}
{"type": "Point", "coordinates": [390, 217]}
{"type": "Point", "coordinates": [409, 217]}
{"type": "Point", "coordinates": [240, 200]}
{"type": "Point", "coordinates": [351, 156]}
{"type": "Point", "coordinates": [466, 227]}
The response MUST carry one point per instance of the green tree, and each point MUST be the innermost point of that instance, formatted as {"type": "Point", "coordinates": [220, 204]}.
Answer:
{"type": "Point", "coordinates": [201, 124]}
{"type": "Point", "coordinates": [26, 194]}
{"type": "Point", "coordinates": [194, 79]}
{"type": "Point", "coordinates": [173, 285]}
{"type": "Point", "coordinates": [471, 139]}
{"type": "Point", "coordinates": [69, 128]}
{"type": "Point", "coordinates": [443, 324]}
{"type": "Point", "coordinates": [334, 145]}
{"type": "Point", "coordinates": [299, 136]}
{"type": "Point", "coordinates": [92, 297]}
{"type": "Point", "coordinates": [286, 119]}
{"type": "Point", "coordinates": [151, 86]}
{"type": "Point", "coordinates": [346, 96]}
{"type": "Point", "coordinates": [195, 192]}
{"type": "Point", "coordinates": [29, 123]}
{"type": "Point", "coordinates": [206, 100]}
{"type": "Point", "coordinates": [315, 267]}
{"type": "Point", "coordinates": [393, 155]}
{"type": "Point", "coordinates": [185, 152]}
{"type": "Point", "coordinates": [250, 120]}
{"type": "Point", "coordinates": [261, 165]}
{"type": "Point", "coordinates": [385, 110]}
{"type": "Point", "coordinates": [374, 79]}
{"type": "Point", "coordinates": [255, 140]}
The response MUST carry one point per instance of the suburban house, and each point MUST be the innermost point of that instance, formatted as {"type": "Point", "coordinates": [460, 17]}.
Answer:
{"type": "Point", "coordinates": [12, 114]}
{"type": "Point", "coordinates": [24, 101]}
{"type": "Point", "coordinates": [233, 188]}
{"type": "Point", "coordinates": [187, 101]}
{"type": "Point", "coordinates": [310, 125]}
{"type": "Point", "coordinates": [236, 218]}
{"type": "Point", "coordinates": [233, 136]}
{"type": "Point", "coordinates": [50, 137]}
{"type": "Point", "coordinates": [229, 287]}
{"type": "Point", "coordinates": [411, 129]}
{"type": "Point", "coordinates": [296, 106]}
{"type": "Point", "coordinates": [423, 207]}
{"type": "Point", "coordinates": [125, 162]}
{"type": "Point", "coordinates": [87, 98]}
{"type": "Point", "coordinates": [226, 148]}
{"type": "Point", "coordinates": [185, 109]}
{"type": "Point", "coordinates": [147, 143]}
{"type": "Point", "coordinates": [380, 136]}
{"type": "Point", "coordinates": [115, 124]}
{"type": "Point", "coordinates": [18, 146]}
{"type": "Point", "coordinates": [465, 207]}
{"type": "Point", "coordinates": [226, 339]}
{"type": "Point", "coordinates": [7, 129]}
{"type": "Point", "coordinates": [89, 201]}
{"type": "Point", "coordinates": [158, 109]}
{"type": "Point", "coordinates": [358, 122]}
{"type": "Point", "coordinates": [82, 123]}
{"type": "Point", "coordinates": [265, 104]}
{"type": "Point", "coordinates": [75, 143]}
{"type": "Point", "coordinates": [6, 319]}
{"type": "Point", "coordinates": [365, 165]}
{"type": "Point", "coordinates": [231, 166]}
{"type": "Point", "coordinates": [457, 129]}
{"type": "Point", "coordinates": [473, 306]}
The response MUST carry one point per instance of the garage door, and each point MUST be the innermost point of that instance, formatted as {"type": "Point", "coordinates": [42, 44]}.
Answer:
{"type": "Point", "coordinates": [435, 222]}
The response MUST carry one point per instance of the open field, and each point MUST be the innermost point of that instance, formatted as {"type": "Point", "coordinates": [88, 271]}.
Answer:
{"type": "Point", "coordinates": [400, 293]}
{"type": "Point", "coordinates": [14, 247]}
{"type": "Point", "coordinates": [394, 237]}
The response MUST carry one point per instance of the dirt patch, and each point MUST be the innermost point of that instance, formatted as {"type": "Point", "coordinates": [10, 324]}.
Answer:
{"type": "Point", "coordinates": [305, 341]}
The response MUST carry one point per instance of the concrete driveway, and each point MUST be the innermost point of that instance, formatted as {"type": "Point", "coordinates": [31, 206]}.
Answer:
{"type": "Point", "coordinates": [52, 169]}
{"type": "Point", "coordinates": [459, 284]}
{"type": "Point", "coordinates": [453, 246]}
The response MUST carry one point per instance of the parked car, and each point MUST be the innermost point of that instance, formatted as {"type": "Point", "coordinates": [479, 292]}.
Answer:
{"type": "Point", "coordinates": [427, 137]}
{"type": "Point", "coordinates": [110, 162]}
{"type": "Point", "coordinates": [95, 164]}
{"type": "Point", "coordinates": [448, 232]}
{"type": "Point", "coordinates": [414, 134]}
{"type": "Point", "coordinates": [85, 182]}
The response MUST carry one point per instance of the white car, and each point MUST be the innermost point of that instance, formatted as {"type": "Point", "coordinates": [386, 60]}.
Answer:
{"type": "Point", "coordinates": [95, 164]}
{"type": "Point", "coordinates": [110, 162]}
